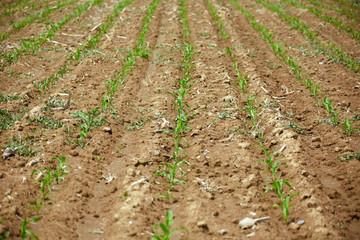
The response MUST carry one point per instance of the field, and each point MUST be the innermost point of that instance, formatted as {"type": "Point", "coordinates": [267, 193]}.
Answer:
{"type": "Point", "coordinates": [145, 119]}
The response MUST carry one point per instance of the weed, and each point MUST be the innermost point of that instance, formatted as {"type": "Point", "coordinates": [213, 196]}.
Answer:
{"type": "Point", "coordinates": [7, 120]}
{"type": "Point", "coordinates": [137, 124]}
{"type": "Point", "coordinates": [47, 123]}
{"type": "Point", "coordinates": [224, 115]}
{"type": "Point", "coordinates": [295, 126]}
{"type": "Point", "coordinates": [6, 98]}
{"type": "Point", "coordinates": [166, 228]}
{"type": "Point", "coordinates": [123, 196]}
{"type": "Point", "coordinates": [24, 145]}
{"type": "Point", "coordinates": [355, 156]}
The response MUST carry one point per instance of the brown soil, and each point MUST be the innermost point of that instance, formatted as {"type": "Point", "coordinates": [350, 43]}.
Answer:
{"type": "Point", "coordinates": [224, 184]}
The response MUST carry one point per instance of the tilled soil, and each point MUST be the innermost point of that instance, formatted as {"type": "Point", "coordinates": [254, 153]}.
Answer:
{"type": "Point", "coordinates": [112, 190]}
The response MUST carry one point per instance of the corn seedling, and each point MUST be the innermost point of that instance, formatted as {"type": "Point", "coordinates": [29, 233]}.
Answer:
{"type": "Point", "coordinates": [36, 205]}
{"type": "Point", "coordinates": [59, 174]}
{"type": "Point", "coordinates": [123, 196]}
{"type": "Point", "coordinates": [272, 164]}
{"type": "Point", "coordinates": [347, 127]}
{"type": "Point", "coordinates": [7, 98]}
{"type": "Point", "coordinates": [276, 185]}
{"type": "Point", "coordinates": [166, 228]}
{"type": "Point", "coordinates": [88, 121]}
{"type": "Point", "coordinates": [26, 233]}
{"type": "Point", "coordinates": [50, 31]}
{"type": "Point", "coordinates": [217, 20]}
{"type": "Point", "coordinates": [45, 179]}
{"type": "Point", "coordinates": [171, 170]}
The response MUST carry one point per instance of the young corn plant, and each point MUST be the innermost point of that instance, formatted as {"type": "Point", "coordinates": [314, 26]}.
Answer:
{"type": "Point", "coordinates": [171, 170]}
{"type": "Point", "coordinates": [59, 173]}
{"type": "Point", "coordinates": [166, 228]}
{"type": "Point", "coordinates": [347, 127]}
{"type": "Point", "coordinates": [45, 179]}
{"type": "Point", "coordinates": [88, 121]}
{"type": "Point", "coordinates": [271, 162]}
{"type": "Point", "coordinates": [217, 20]}
{"type": "Point", "coordinates": [36, 205]}
{"type": "Point", "coordinates": [276, 185]}
{"type": "Point", "coordinates": [26, 233]}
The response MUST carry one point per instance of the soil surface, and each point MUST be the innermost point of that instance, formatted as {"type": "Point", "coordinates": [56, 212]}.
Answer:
{"type": "Point", "coordinates": [112, 190]}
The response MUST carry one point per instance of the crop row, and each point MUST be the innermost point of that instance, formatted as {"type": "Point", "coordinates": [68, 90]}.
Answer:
{"type": "Point", "coordinates": [294, 66]}
{"type": "Point", "coordinates": [9, 12]}
{"type": "Point", "coordinates": [334, 52]}
{"type": "Point", "coordinates": [276, 183]}
{"type": "Point", "coordinates": [332, 20]}
{"type": "Point", "coordinates": [85, 123]}
{"type": "Point", "coordinates": [32, 45]}
{"type": "Point", "coordinates": [33, 17]}
{"type": "Point", "coordinates": [353, 4]}
{"type": "Point", "coordinates": [340, 10]}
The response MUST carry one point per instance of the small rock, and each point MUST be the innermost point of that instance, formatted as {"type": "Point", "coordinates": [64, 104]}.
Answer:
{"type": "Point", "coordinates": [2, 230]}
{"type": "Point", "coordinates": [340, 177]}
{"type": "Point", "coordinates": [203, 225]}
{"type": "Point", "coordinates": [19, 164]}
{"type": "Point", "coordinates": [247, 182]}
{"type": "Point", "coordinates": [320, 209]}
{"type": "Point", "coordinates": [9, 152]}
{"type": "Point", "coordinates": [251, 234]}
{"type": "Point", "coordinates": [18, 126]}
{"type": "Point", "coordinates": [228, 99]}
{"type": "Point", "coordinates": [74, 153]}
{"type": "Point", "coordinates": [316, 139]}
{"type": "Point", "coordinates": [348, 149]}
{"type": "Point", "coordinates": [226, 81]}
{"type": "Point", "coordinates": [95, 152]}
{"type": "Point", "coordinates": [244, 145]}
{"type": "Point", "coordinates": [130, 172]}
{"type": "Point", "coordinates": [322, 231]}
{"type": "Point", "coordinates": [223, 231]}
{"type": "Point", "coordinates": [13, 211]}
{"type": "Point", "coordinates": [35, 110]}
{"type": "Point", "coordinates": [249, 222]}
{"type": "Point", "coordinates": [337, 149]}
{"type": "Point", "coordinates": [107, 130]}
{"type": "Point", "coordinates": [300, 222]}
{"type": "Point", "coordinates": [8, 192]}
{"type": "Point", "coordinates": [305, 173]}
{"type": "Point", "coordinates": [294, 226]}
